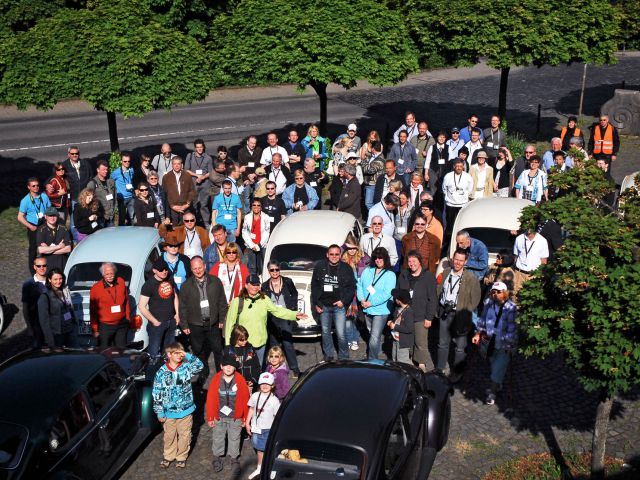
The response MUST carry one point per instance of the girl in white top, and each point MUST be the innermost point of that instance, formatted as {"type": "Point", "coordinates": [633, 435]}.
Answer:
{"type": "Point", "coordinates": [263, 406]}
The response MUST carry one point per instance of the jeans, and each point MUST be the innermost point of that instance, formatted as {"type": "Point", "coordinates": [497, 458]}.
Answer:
{"type": "Point", "coordinates": [160, 337]}
{"type": "Point", "coordinates": [330, 316]}
{"type": "Point", "coordinates": [353, 335]}
{"type": "Point", "coordinates": [255, 261]}
{"type": "Point", "coordinates": [444, 342]}
{"type": "Point", "coordinates": [375, 325]}
{"type": "Point", "coordinates": [126, 211]}
{"type": "Point", "coordinates": [369, 191]}
{"type": "Point", "coordinates": [499, 363]}
{"type": "Point", "coordinates": [247, 194]}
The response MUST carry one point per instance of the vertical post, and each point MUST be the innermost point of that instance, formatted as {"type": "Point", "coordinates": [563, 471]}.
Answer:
{"type": "Point", "coordinates": [584, 81]}
{"type": "Point", "coordinates": [624, 84]}
{"type": "Point", "coordinates": [538, 120]}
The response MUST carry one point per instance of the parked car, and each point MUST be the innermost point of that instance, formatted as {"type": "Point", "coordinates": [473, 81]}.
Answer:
{"type": "Point", "coordinates": [367, 437]}
{"type": "Point", "coordinates": [132, 249]}
{"type": "Point", "coordinates": [3, 302]}
{"type": "Point", "coordinates": [297, 243]}
{"type": "Point", "coordinates": [72, 414]}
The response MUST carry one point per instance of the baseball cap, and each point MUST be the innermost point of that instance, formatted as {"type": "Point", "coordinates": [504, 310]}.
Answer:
{"type": "Point", "coordinates": [160, 265]}
{"type": "Point", "coordinates": [499, 286]}
{"type": "Point", "coordinates": [267, 378]}
{"type": "Point", "coordinates": [352, 126]}
{"type": "Point", "coordinates": [51, 212]}
{"type": "Point", "coordinates": [261, 171]}
{"type": "Point", "coordinates": [455, 129]}
{"type": "Point", "coordinates": [352, 155]}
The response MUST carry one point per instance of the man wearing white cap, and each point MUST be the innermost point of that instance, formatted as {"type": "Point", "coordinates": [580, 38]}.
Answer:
{"type": "Point", "coordinates": [356, 143]}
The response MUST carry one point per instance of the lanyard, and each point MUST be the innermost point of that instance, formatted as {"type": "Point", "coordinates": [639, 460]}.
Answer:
{"type": "Point", "coordinates": [371, 244]}
{"type": "Point", "coordinates": [277, 294]}
{"type": "Point", "coordinates": [231, 275]}
{"type": "Point", "coordinates": [452, 286]}
{"type": "Point", "coordinates": [190, 240]}
{"type": "Point", "coordinates": [527, 250]}
{"type": "Point", "coordinates": [227, 206]}
{"type": "Point", "coordinates": [126, 175]}
{"type": "Point", "coordinates": [259, 409]}
{"type": "Point", "coordinates": [531, 179]}
{"type": "Point", "coordinates": [456, 184]}
{"type": "Point", "coordinates": [166, 163]}
{"type": "Point", "coordinates": [198, 163]}
{"type": "Point", "coordinates": [275, 174]}
{"type": "Point", "coordinates": [40, 202]}
{"type": "Point", "coordinates": [226, 388]}
{"type": "Point", "coordinates": [173, 269]}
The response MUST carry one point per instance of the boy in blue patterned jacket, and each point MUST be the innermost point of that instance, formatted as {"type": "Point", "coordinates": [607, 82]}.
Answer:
{"type": "Point", "coordinates": [173, 403]}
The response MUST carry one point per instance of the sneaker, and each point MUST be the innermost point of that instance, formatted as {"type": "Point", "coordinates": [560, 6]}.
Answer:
{"type": "Point", "coordinates": [218, 466]}
{"type": "Point", "coordinates": [295, 372]}
{"type": "Point", "coordinates": [255, 473]}
{"type": "Point", "coordinates": [491, 398]}
{"type": "Point", "coordinates": [354, 346]}
{"type": "Point", "coordinates": [329, 359]}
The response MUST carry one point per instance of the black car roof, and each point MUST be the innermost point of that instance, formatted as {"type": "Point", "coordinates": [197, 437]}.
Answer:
{"type": "Point", "coordinates": [347, 403]}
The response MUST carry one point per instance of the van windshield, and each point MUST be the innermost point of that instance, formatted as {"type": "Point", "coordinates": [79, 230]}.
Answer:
{"type": "Point", "coordinates": [495, 239]}
{"type": "Point", "coordinates": [298, 256]}
{"type": "Point", "coordinates": [82, 276]}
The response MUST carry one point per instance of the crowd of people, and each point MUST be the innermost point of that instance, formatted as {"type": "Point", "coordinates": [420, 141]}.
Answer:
{"type": "Point", "coordinates": [215, 215]}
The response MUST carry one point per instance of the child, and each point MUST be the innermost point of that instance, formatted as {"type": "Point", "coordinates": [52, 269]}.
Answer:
{"type": "Point", "coordinates": [245, 355]}
{"type": "Point", "coordinates": [226, 412]}
{"type": "Point", "coordinates": [260, 187]}
{"type": "Point", "coordinates": [278, 368]}
{"type": "Point", "coordinates": [173, 403]}
{"type": "Point", "coordinates": [263, 407]}
{"type": "Point", "coordinates": [402, 327]}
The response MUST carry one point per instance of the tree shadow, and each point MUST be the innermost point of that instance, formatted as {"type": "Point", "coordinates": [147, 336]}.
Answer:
{"type": "Point", "coordinates": [594, 98]}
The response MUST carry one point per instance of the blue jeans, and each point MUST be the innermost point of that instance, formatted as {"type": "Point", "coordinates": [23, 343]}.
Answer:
{"type": "Point", "coordinates": [160, 337]}
{"type": "Point", "coordinates": [329, 317]}
{"type": "Point", "coordinates": [260, 354]}
{"type": "Point", "coordinates": [375, 325]}
{"type": "Point", "coordinates": [499, 363]}
{"type": "Point", "coordinates": [369, 191]}
{"type": "Point", "coordinates": [255, 260]}
{"type": "Point", "coordinates": [353, 335]}
{"type": "Point", "coordinates": [126, 211]}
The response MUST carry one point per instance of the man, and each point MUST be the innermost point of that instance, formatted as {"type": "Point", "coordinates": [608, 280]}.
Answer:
{"type": "Point", "coordinates": [382, 183]}
{"type": "Point", "coordinates": [335, 189]}
{"type": "Point", "coordinates": [178, 264]}
{"type": "Point", "coordinates": [255, 233]}
{"type": "Point", "coordinates": [123, 178]}
{"type": "Point", "coordinates": [548, 157]}
{"type": "Point", "coordinates": [531, 250]}
{"type": "Point", "coordinates": [404, 155]}
{"type": "Point", "coordinates": [356, 143]}
{"type": "Point", "coordinates": [315, 178]}
{"type": "Point", "coordinates": [249, 155]}
{"type": "Point", "coordinates": [333, 287]}
{"type": "Point", "coordinates": [109, 308]}
{"type": "Point", "coordinates": [474, 145]}
{"type": "Point", "coordinates": [193, 239]}
{"type": "Point", "coordinates": [179, 190]}
{"type": "Point", "coordinates": [31, 215]}
{"type": "Point", "coordinates": [160, 306]}
{"type": "Point", "coordinates": [199, 165]}
{"type": "Point", "coordinates": [300, 196]}
{"type": "Point", "coordinates": [477, 253]}
{"type": "Point", "coordinates": [295, 150]}
{"type": "Point", "coordinates": [104, 190]}
{"type": "Point", "coordinates": [203, 308]}
{"type": "Point", "coordinates": [455, 143]}
{"type": "Point", "coordinates": [35, 286]}
{"type": "Point", "coordinates": [351, 195]}
{"type": "Point", "coordinates": [409, 126]}
{"type": "Point", "coordinates": [216, 177]}
{"type": "Point", "coordinates": [422, 287]}
{"type": "Point", "coordinates": [273, 148]}
{"type": "Point", "coordinates": [377, 238]}
{"type": "Point", "coordinates": [278, 173]}
{"type": "Point", "coordinates": [161, 163]}
{"type": "Point", "coordinates": [521, 164]}
{"type": "Point", "coordinates": [602, 164]}
{"type": "Point", "coordinates": [215, 252]}
{"type": "Point", "coordinates": [421, 142]}
{"type": "Point", "coordinates": [273, 206]}
{"type": "Point", "coordinates": [234, 175]}
{"type": "Point", "coordinates": [604, 140]}
{"type": "Point", "coordinates": [78, 173]}
{"type": "Point", "coordinates": [436, 164]}
{"type": "Point", "coordinates": [456, 186]}
{"type": "Point", "coordinates": [227, 211]}
{"type": "Point", "coordinates": [458, 296]}
{"type": "Point", "coordinates": [384, 210]}
{"type": "Point", "coordinates": [494, 138]}
{"type": "Point", "coordinates": [560, 166]}
{"type": "Point", "coordinates": [423, 242]}
{"type": "Point", "coordinates": [472, 124]}
{"type": "Point", "coordinates": [53, 240]}
{"type": "Point", "coordinates": [372, 165]}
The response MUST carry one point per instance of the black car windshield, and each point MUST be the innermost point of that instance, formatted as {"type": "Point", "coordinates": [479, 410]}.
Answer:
{"type": "Point", "coordinates": [82, 276]}
{"type": "Point", "coordinates": [494, 238]}
{"type": "Point", "coordinates": [13, 439]}
{"type": "Point", "coordinates": [298, 256]}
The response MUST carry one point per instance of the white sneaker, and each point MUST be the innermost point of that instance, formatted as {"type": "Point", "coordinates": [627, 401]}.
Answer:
{"type": "Point", "coordinates": [255, 473]}
{"type": "Point", "coordinates": [354, 346]}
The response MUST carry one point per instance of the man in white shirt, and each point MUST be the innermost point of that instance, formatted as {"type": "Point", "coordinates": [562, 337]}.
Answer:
{"type": "Point", "coordinates": [456, 186]}
{"type": "Point", "coordinates": [410, 126]}
{"type": "Point", "coordinates": [278, 173]}
{"type": "Point", "coordinates": [376, 238]}
{"type": "Point", "coordinates": [474, 145]}
{"type": "Point", "coordinates": [161, 163]}
{"type": "Point", "coordinates": [530, 251]}
{"type": "Point", "coordinates": [273, 148]}
{"type": "Point", "coordinates": [384, 209]}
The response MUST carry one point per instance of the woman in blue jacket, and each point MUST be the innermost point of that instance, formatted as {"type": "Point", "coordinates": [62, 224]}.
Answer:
{"type": "Point", "coordinates": [315, 147]}
{"type": "Point", "coordinates": [374, 294]}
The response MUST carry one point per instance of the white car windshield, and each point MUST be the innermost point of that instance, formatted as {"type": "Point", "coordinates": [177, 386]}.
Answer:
{"type": "Point", "coordinates": [82, 276]}
{"type": "Point", "coordinates": [298, 256]}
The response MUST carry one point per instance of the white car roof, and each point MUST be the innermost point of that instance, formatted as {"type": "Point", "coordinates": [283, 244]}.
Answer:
{"type": "Point", "coordinates": [317, 227]}
{"type": "Point", "coordinates": [491, 212]}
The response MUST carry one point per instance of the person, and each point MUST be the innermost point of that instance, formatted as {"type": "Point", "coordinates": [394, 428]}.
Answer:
{"type": "Point", "coordinates": [109, 308]}
{"type": "Point", "coordinates": [547, 156]}
{"type": "Point", "coordinates": [382, 183]}
{"type": "Point", "coordinates": [377, 238]}
{"type": "Point", "coordinates": [78, 174]}
{"type": "Point", "coordinates": [178, 263]}
{"type": "Point", "coordinates": [482, 176]}
{"type": "Point", "coordinates": [421, 285]}
{"type": "Point", "coordinates": [335, 189]}
{"type": "Point", "coordinates": [160, 306]}
{"type": "Point", "coordinates": [351, 195]}
{"type": "Point", "coordinates": [472, 125]}
{"type": "Point", "coordinates": [272, 149]}
{"type": "Point", "coordinates": [294, 149]}
{"type": "Point", "coordinates": [279, 173]}
{"type": "Point", "coordinates": [367, 148]}
{"type": "Point", "coordinates": [203, 309]}
{"type": "Point", "coordinates": [315, 178]}
{"type": "Point", "coordinates": [577, 144]}
{"type": "Point", "coordinates": [216, 177]}
{"type": "Point", "coordinates": [277, 366]}
{"type": "Point", "coordinates": [157, 195]}
{"type": "Point", "coordinates": [384, 210]}
{"type": "Point", "coordinates": [227, 211]}
{"type": "Point", "coordinates": [374, 294]}
{"type": "Point", "coordinates": [410, 126]}
{"type": "Point", "coordinates": [56, 315]}
{"type": "Point", "coordinates": [245, 355]}
{"type": "Point", "coordinates": [300, 196]}
{"type": "Point", "coordinates": [173, 403]}
{"type": "Point", "coordinates": [141, 173]}
{"type": "Point", "coordinates": [532, 183]}
{"type": "Point", "coordinates": [402, 327]}
{"type": "Point", "coordinates": [436, 164]}
{"type": "Point", "coordinates": [354, 257]}
{"type": "Point", "coordinates": [500, 271]}
{"type": "Point", "coordinates": [238, 185]}
{"type": "Point", "coordinates": [495, 138]}
{"type": "Point", "coordinates": [315, 147]}
{"type": "Point", "coordinates": [455, 143]}
{"type": "Point", "coordinates": [433, 227]}
{"type": "Point", "coordinates": [215, 251]}
{"type": "Point", "coordinates": [457, 186]}
{"type": "Point", "coordinates": [478, 254]}
{"type": "Point", "coordinates": [251, 309]}
{"type": "Point", "coordinates": [255, 233]}
{"type": "Point", "coordinates": [273, 206]}
{"type": "Point", "coordinates": [502, 165]}
{"type": "Point", "coordinates": [604, 140]}
{"type": "Point", "coordinates": [283, 293]}
{"type": "Point", "coordinates": [260, 185]}
{"type": "Point", "coordinates": [146, 210]}
{"type": "Point", "coordinates": [226, 412]}
{"type": "Point", "coordinates": [403, 214]}
{"type": "Point", "coordinates": [231, 271]}
{"type": "Point", "coordinates": [31, 291]}
{"type": "Point", "coordinates": [333, 287]}
{"type": "Point", "coordinates": [530, 250]}
{"type": "Point", "coordinates": [31, 215]}
{"type": "Point", "coordinates": [58, 191]}
{"type": "Point", "coordinates": [425, 243]}
{"type": "Point", "coordinates": [459, 295]}
{"type": "Point", "coordinates": [404, 156]}
{"type": "Point", "coordinates": [87, 215]}
{"type": "Point", "coordinates": [474, 146]}
{"type": "Point", "coordinates": [123, 178]}
{"type": "Point", "coordinates": [199, 164]}
{"type": "Point", "coordinates": [192, 238]}
{"type": "Point", "coordinates": [161, 163]}
{"type": "Point", "coordinates": [373, 166]}
{"type": "Point", "coordinates": [569, 131]}
{"type": "Point", "coordinates": [356, 142]}
{"type": "Point", "coordinates": [249, 155]}
{"type": "Point", "coordinates": [53, 240]}
{"type": "Point", "coordinates": [261, 416]}
{"type": "Point", "coordinates": [422, 143]}
{"type": "Point", "coordinates": [498, 325]}
{"type": "Point", "coordinates": [179, 191]}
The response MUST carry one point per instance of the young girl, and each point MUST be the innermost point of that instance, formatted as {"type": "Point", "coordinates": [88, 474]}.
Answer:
{"type": "Point", "coordinates": [263, 406]}
{"type": "Point", "coordinates": [402, 327]}
{"type": "Point", "coordinates": [278, 368]}
{"type": "Point", "coordinates": [245, 355]}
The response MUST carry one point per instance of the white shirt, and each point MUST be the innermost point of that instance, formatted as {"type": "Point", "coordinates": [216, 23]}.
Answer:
{"type": "Point", "coordinates": [192, 245]}
{"type": "Point", "coordinates": [451, 288]}
{"type": "Point", "coordinates": [411, 132]}
{"type": "Point", "coordinates": [267, 405]}
{"type": "Point", "coordinates": [161, 165]}
{"type": "Point", "coordinates": [277, 175]}
{"type": "Point", "coordinates": [368, 244]}
{"type": "Point", "coordinates": [529, 253]}
{"type": "Point", "coordinates": [472, 147]}
{"type": "Point", "coordinates": [388, 218]}
{"type": "Point", "coordinates": [457, 188]}
{"type": "Point", "coordinates": [268, 152]}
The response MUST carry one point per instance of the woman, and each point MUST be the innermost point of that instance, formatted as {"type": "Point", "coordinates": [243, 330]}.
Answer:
{"type": "Point", "coordinates": [157, 194]}
{"type": "Point", "coordinates": [501, 173]}
{"type": "Point", "coordinates": [437, 163]}
{"type": "Point", "coordinates": [374, 294]}
{"type": "Point", "coordinates": [403, 214]}
{"type": "Point", "coordinates": [532, 183]}
{"type": "Point", "coordinates": [358, 260]}
{"type": "Point", "coordinates": [353, 159]}
{"type": "Point", "coordinates": [58, 191]}
{"type": "Point", "coordinates": [56, 314]}
{"type": "Point", "coordinates": [141, 174]}
{"type": "Point", "coordinates": [341, 150]}
{"type": "Point", "coordinates": [500, 271]}
{"type": "Point", "coordinates": [87, 214]}
{"type": "Point", "coordinates": [232, 272]}
{"type": "Point", "coordinates": [415, 189]}
{"type": "Point", "coordinates": [250, 309]}
{"type": "Point", "coordinates": [482, 176]}
{"type": "Point", "coordinates": [282, 293]}
{"type": "Point", "coordinates": [315, 146]}
{"type": "Point", "coordinates": [146, 210]}
{"type": "Point", "coordinates": [365, 150]}
{"type": "Point", "coordinates": [570, 131]}
{"type": "Point", "coordinates": [498, 330]}
{"type": "Point", "coordinates": [223, 154]}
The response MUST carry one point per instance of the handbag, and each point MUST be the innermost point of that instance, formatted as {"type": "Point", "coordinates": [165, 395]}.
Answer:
{"type": "Point", "coordinates": [487, 345]}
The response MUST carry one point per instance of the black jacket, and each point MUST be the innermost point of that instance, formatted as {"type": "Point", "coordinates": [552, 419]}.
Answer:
{"type": "Point", "coordinates": [190, 312]}
{"type": "Point", "coordinates": [377, 192]}
{"type": "Point", "coordinates": [406, 326]}
{"type": "Point", "coordinates": [335, 190]}
{"type": "Point", "coordinates": [289, 292]}
{"type": "Point", "coordinates": [425, 300]}
{"type": "Point", "coordinates": [51, 312]}
{"type": "Point", "coordinates": [350, 198]}
{"type": "Point", "coordinates": [78, 179]}
{"type": "Point", "coordinates": [346, 282]}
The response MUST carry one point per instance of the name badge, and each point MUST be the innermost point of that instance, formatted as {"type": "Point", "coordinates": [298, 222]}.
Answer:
{"type": "Point", "coordinates": [67, 316]}
{"type": "Point", "coordinates": [178, 280]}
{"type": "Point", "coordinates": [128, 186]}
{"type": "Point", "coordinates": [204, 303]}
{"type": "Point", "coordinates": [228, 216]}
{"type": "Point", "coordinates": [199, 172]}
{"type": "Point", "coordinates": [271, 219]}
{"type": "Point", "coordinates": [313, 184]}
{"type": "Point", "coordinates": [94, 224]}
{"type": "Point", "coordinates": [400, 161]}
{"type": "Point", "coordinates": [115, 309]}
{"type": "Point", "coordinates": [411, 293]}
{"type": "Point", "coordinates": [40, 215]}
{"type": "Point", "coordinates": [225, 411]}
{"type": "Point", "coordinates": [441, 161]}
{"type": "Point", "coordinates": [251, 164]}
{"type": "Point", "coordinates": [529, 188]}
{"type": "Point", "coordinates": [401, 229]}
{"type": "Point", "coordinates": [371, 290]}
{"type": "Point", "coordinates": [109, 197]}
{"type": "Point", "coordinates": [417, 152]}
{"type": "Point", "coordinates": [253, 236]}
{"type": "Point", "coordinates": [151, 214]}
{"type": "Point", "coordinates": [490, 145]}
{"type": "Point", "coordinates": [328, 288]}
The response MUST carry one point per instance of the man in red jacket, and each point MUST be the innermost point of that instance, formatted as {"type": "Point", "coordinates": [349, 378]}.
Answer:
{"type": "Point", "coordinates": [109, 308]}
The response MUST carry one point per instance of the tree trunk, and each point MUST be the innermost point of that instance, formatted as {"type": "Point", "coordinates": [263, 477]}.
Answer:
{"type": "Point", "coordinates": [600, 437]}
{"type": "Point", "coordinates": [502, 96]}
{"type": "Point", "coordinates": [321, 90]}
{"type": "Point", "coordinates": [113, 131]}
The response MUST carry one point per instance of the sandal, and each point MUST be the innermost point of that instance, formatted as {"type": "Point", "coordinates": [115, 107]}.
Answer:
{"type": "Point", "coordinates": [164, 464]}
{"type": "Point", "coordinates": [181, 464]}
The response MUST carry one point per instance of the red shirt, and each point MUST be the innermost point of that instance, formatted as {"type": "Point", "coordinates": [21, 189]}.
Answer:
{"type": "Point", "coordinates": [256, 226]}
{"type": "Point", "coordinates": [109, 305]}
{"type": "Point", "coordinates": [212, 406]}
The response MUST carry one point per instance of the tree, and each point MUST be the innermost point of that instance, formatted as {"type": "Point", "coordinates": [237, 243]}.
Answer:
{"type": "Point", "coordinates": [629, 11]}
{"type": "Point", "coordinates": [112, 55]}
{"type": "Point", "coordinates": [312, 42]}
{"type": "Point", "coordinates": [586, 303]}
{"type": "Point", "coordinates": [512, 33]}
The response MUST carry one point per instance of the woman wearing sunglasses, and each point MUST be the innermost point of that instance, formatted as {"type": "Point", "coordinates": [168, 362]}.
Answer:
{"type": "Point", "coordinates": [232, 272]}
{"type": "Point", "coordinates": [58, 191]}
{"type": "Point", "coordinates": [147, 214]}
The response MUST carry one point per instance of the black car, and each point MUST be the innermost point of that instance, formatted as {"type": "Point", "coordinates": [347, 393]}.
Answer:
{"type": "Point", "coordinates": [360, 420]}
{"type": "Point", "coordinates": [73, 414]}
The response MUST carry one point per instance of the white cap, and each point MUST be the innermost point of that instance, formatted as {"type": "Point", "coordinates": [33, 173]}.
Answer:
{"type": "Point", "coordinates": [352, 126]}
{"type": "Point", "coordinates": [352, 155]}
{"type": "Point", "coordinates": [499, 286]}
{"type": "Point", "coordinates": [267, 378]}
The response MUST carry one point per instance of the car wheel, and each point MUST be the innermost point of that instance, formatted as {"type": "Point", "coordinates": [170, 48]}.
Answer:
{"type": "Point", "coordinates": [446, 423]}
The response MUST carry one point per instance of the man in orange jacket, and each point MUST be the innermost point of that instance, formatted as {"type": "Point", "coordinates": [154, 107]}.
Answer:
{"type": "Point", "coordinates": [604, 142]}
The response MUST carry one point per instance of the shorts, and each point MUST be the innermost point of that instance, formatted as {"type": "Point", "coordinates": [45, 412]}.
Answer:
{"type": "Point", "coordinates": [259, 440]}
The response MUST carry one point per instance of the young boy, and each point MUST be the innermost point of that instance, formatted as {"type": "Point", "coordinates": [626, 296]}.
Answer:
{"type": "Point", "coordinates": [173, 403]}
{"type": "Point", "coordinates": [226, 412]}
{"type": "Point", "coordinates": [402, 328]}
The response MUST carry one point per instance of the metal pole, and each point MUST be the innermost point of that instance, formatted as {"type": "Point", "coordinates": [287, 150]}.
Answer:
{"type": "Point", "coordinates": [538, 120]}
{"type": "Point", "coordinates": [584, 80]}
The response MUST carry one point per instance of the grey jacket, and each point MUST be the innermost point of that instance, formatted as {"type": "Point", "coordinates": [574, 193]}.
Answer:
{"type": "Point", "coordinates": [51, 312]}
{"type": "Point", "coordinates": [101, 192]}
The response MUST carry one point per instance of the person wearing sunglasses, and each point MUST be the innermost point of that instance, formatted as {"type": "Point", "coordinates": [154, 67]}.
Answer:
{"type": "Point", "coordinates": [178, 263]}
{"type": "Point", "coordinates": [378, 238]}
{"type": "Point", "coordinates": [532, 183]}
{"type": "Point", "coordinates": [78, 173]}
{"type": "Point", "coordinates": [227, 210]}
{"type": "Point", "coordinates": [31, 214]}
{"type": "Point", "coordinates": [123, 177]}
{"type": "Point", "coordinates": [58, 191]}
{"type": "Point", "coordinates": [273, 206]}
{"type": "Point", "coordinates": [146, 210]}
{"type": "Point", "coordinates": [521, 164]}
{"type": "Point", "coordinates": [500, 271]}
{"type": "Point", "coordinates": [31, 291]}
{"type": "Point", "coordinates": [199, 164]}
{"type": "Point", "coordinates": [255, 233]}
{"type": "Point", "coordinates": [231, 271]}
{"type": "Point", "coordinates": [300, 196]}
{"type": "Point", "coordinates": [193, 239]}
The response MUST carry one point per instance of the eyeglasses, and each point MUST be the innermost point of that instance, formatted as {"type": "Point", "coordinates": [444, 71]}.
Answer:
{"type": "Point", "coordinates": [74, 153]}
{"type": "Point", "coordinates": [455, 133]}
{"type": "Point", "coordinates": [35, 185]}
{"type": "Point", "coordinates": [189, 220]}
{"type": "Point", "coordinates": [61, 169]}
{"type": "Point", "coordinates": [420, 224]}
{"type": "Point", "coordinates": [177, 353]}
{"type": "Point", "coordinates": [257, 205]}
{"type": "Point", "coordinates": [497, 291]}
{"type": "Point", "coordinates": [145, 190]}
{"type": "Point", "coordinates": [231, 252]}
{"type": "Point", "coordinates": [530, 153]}
{"type": "Point", "coordinates": [274, 269]}
{"type": "Point", "coordinates": [352, 248]}
{"type": "Point", "coordinates": [275, 356]}
{"type": "Point", "coordinates": [126, 161]}
{"type": "Point", "coordinates": [40, 266]}
{"type": "Point", "coordinates": [376, 223]}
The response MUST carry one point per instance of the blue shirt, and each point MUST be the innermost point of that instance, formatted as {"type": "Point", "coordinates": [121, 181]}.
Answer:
{"type": "Point", "coordinates": [388, 218]}
{"type": "Point", "coordinates": [465, 134]}
{"type": "Point", "coordinates": [381, 298]}
{"type": "Point", "coordinates": [122, 179]}
{"type": "Point", "coordinates": [548, 161]}
{"type": "Point", "coordinates": [227, 210]}
{"type": "Point", "coordinates": [33, 208]}
{"type": "Point", "coordinates": [177, 270]}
